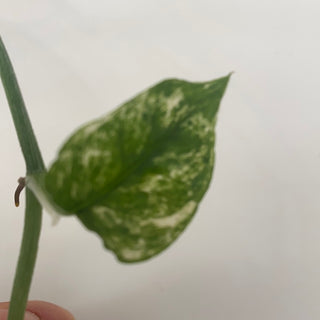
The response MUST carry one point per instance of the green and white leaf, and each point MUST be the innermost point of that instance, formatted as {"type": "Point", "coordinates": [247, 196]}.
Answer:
{"type": "Point", "coordinates": [136, 176]}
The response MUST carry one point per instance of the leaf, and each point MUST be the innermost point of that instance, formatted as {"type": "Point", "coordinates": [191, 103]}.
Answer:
{"type": "Point", "coordinates": [136, 176]}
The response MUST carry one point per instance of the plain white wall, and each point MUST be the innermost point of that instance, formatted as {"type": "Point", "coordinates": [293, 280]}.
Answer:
{"type": "Point", "coordinates": [252, 252]}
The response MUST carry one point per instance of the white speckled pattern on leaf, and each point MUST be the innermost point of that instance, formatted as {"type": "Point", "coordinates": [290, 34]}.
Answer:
{"type": "Point", "coordinates": [136, 177]}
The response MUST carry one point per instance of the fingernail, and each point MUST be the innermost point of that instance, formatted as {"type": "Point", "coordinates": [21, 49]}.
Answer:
{"type": "Point", "coordinates": [27, 316]}
{"type": "Point", "coordinates": [30, 316]}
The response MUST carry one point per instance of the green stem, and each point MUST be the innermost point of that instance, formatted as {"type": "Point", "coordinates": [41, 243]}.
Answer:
{"type": "Point", "coordinates": [27, 257]}
{"type": "Point", "coordinates": [27, 139]}
{"type": "Point", "coordinates": [33, 212]}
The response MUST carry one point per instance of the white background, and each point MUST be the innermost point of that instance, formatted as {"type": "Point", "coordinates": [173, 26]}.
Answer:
{"type": "Point", "coordinates": [253, 249]}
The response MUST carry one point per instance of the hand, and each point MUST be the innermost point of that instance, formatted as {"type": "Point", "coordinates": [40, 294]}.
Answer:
{"type": "Point", "coordinates": [39, 310]}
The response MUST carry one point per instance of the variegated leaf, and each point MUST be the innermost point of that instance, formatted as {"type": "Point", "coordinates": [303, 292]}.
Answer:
{"type": "Point", "coordinates": [136, 176]}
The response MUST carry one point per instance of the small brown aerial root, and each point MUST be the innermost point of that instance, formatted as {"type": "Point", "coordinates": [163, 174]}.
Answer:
{"type": "Point", "coordinates": [22, 184]}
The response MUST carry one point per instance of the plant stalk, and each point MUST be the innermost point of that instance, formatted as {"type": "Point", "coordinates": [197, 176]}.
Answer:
{"type": "Point", "coordinates": [33, 211]}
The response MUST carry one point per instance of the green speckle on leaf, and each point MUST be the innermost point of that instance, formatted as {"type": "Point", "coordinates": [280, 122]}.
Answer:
{"type": "Point", "coordinates": [136, 176]}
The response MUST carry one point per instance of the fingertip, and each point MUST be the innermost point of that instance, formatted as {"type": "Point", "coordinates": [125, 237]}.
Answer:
{"type": "Point", "coordinates": [4, 305]}
{"type": "Point", "coordinates": [48, 311]}
{"type": "Point", "coordinates": [44, 310]}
